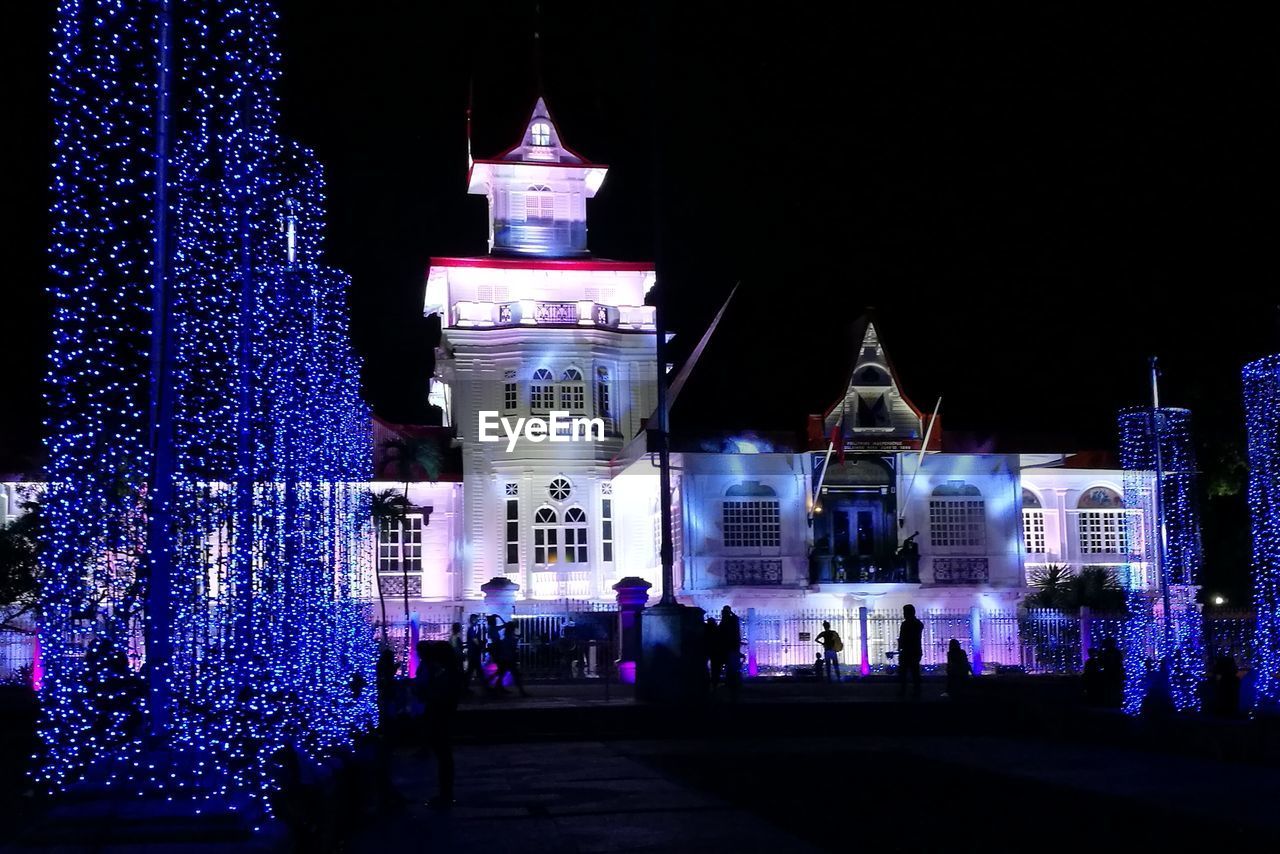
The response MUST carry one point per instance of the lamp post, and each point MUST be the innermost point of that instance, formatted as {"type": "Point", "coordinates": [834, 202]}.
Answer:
{"type": "Point", "coordinates": [1162, 537]}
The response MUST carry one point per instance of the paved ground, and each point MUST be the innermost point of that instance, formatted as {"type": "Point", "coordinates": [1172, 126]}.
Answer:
{"type": "Point", "coordinates": [818, 768]}
{"type": "Point", "coordinates": [758, 778]}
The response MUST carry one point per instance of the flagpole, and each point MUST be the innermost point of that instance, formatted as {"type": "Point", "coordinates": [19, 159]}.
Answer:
{"type": "Point", "coordinates": [924, 446]}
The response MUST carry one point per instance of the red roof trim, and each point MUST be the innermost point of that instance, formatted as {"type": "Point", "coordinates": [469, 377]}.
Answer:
{"type": "Point", "coordinates": [580, 165]}
{"type": "Point", "coordinates": [493, 263]}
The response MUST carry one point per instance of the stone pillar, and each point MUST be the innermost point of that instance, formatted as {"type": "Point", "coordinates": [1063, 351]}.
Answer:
{"type": "Point", "coordinates": [632, 594]}
{"type": "Point", "coordinates": [753, 669]}
{"type": "Point", "coordinates": [500, 596]}
{"type": "Point", "coordinates": [864, 642]}
{"type": "Point", "coordinates": [975, 638]}
{"type": "Point", "coordinates": [673, 655]}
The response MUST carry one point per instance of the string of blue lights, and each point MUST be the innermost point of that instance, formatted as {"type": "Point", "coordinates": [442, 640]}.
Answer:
{"type": "Point", "coordinates": [271, 646]}
{"type": "Point", "coordinates": [1164, 648]}
{"type": "Point", "coordinates": [1262, 420]}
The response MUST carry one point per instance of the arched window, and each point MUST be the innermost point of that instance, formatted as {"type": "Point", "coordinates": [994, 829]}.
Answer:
{"type": "Point", "coordinates": [542, 392]}
{"type": "Point", "coordinates": [1101, 522]}
{"type": "Point", "coordinates": [575, 535]}
{"type": "Point", "coordinates": [540, 202]}
{"type": "Point", "coordinates": [957, 518]}
{"type": "Point", "coordinates": [573, 392]}
{"type": "Point", "coordinates": [750, 516]}
{"type": "Point", "coordinates": [1033, 538]}
{"type": "Point", "coordinates": [540, 133]}
{"type": "Point", "coordinates": [545, 537]}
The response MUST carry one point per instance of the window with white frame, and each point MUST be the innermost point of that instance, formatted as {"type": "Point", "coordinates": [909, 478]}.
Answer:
{"type": "Point", "coordinates": [606, 526]}
{"type": "Point", "coordinates": [540, 133]}
{"type": "Point", "coordinates": [560, 489]}
{"type": "Point", "coordinates": [1033, 537]}
{"type": "Point", "coordinates": [1101, 522]}
{"type": "Point", "coordinates": [573, 391]}
{"type": "Point", "coordinates": [957, 518]}
{"type": "Point", "coordinates": [750, 517]}
{"type": "Point", "coordinates": [513, 523]}
{"type": "Point", "coordinates": [400, 545]}
{"type": "Point", "coordinates": [546, 537]}
{"type": "Point", "coordinates": [542, 391]}
{"type": "Point", "coordinates": [602, 398]}
{"type": "Point", "coordinates": [540, 203]}
{"type": "Point", "coordinates": [510, 391]}
{"type": "Point", "coordinates": [575, 535]}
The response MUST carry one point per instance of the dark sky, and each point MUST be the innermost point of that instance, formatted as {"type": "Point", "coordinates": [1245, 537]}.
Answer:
{"type": "Point", "coordinates": [1035, 199]}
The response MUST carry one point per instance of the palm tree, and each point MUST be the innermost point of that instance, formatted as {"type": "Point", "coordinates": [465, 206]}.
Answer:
{"type": "Point", "coordinates": [387, 509]}
{"type": "Point", "coordinates": [1093, 587]}
{"type": "Point", "coordinates": [1052, 586]}
{"type": "Point", "coordinates": [1098, 589]}
{"type": "Point", "coordinates": [404, 453]}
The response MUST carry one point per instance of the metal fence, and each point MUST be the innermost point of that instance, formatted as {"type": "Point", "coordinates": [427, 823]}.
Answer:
{"type": "Point", "coordinates": [551, 644]}
{"type": "Point", "coordinates": [1034, 641]}
{"type": "Point", "coordinates": [16, 650]}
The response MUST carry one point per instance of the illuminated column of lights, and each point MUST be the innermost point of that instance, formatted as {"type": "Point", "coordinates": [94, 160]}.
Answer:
{"type": "Point", "coordinates": [271, 641]}
{"type": "Point", "coordinates": [1262, 419]}
{"type": "Point", "coordinates": [1161, 439]}
{"type": "Point", "coordinates": [102, 92]}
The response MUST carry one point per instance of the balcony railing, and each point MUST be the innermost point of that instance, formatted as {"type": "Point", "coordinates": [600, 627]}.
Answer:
{"type": "Point", "coordinates": [553, 313]}
{"type": "Point", "coordinates": [863, 569]}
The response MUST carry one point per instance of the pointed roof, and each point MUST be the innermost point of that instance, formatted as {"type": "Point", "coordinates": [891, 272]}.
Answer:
{"type": "Point", "coordinates": [874, 411]}
{"type": "Point", "coordinates": [541, 143]}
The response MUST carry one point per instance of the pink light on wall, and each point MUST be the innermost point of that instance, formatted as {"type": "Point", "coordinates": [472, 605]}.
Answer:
{"type": "Point", "coordinates": [37, 664]}
{"type": "Point", "coordinates": [413, 646]}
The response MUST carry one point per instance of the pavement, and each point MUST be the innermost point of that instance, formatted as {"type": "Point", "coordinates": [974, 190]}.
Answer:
{"type": "Point", "coordinates": [799, 767]}
{"type": "Point", "coordinates": [761, 776]}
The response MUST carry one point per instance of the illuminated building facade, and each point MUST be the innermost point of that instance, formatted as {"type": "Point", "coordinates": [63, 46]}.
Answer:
{"type": "Point", "coordinates": [813, 520]}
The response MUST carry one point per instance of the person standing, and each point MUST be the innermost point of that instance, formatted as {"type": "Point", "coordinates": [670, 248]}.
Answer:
{"type": "Point", "coordinates": [731, 644]}
{"type": "Point", "coordinates": [910, 651]}
{"type": "Point", "coordinates": [958, 670]}
{"type": "Point", "coordinates": [508, 658]}
{"type": "Point", "coordinates": [474, 650]}
{"type": "Point", "coordinates": [832, 646]}
{"type": "Point", "coordinates": [458, 644]}
{"type": "Point", "coordinates": [436, 687]}
{"type": "Point", "coordinates": [715, 651]}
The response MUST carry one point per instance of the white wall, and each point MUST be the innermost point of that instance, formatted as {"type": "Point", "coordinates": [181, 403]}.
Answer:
{"type": "Point", "coordinates": [705, 480]}
{"type": "Point", "coordinates": [996, 478]}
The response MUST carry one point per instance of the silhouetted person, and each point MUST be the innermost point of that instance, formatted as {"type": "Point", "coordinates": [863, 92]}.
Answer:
{"type": "Point", "coordinates": [436, 686]}
{"type": "Point", "coordinates": [731, 643]}
{"type": "Point", "coordinates": [909, 554]}
{"type": "Point", "coordinates": [831, 647]}
{"type": "Point", "coordinates": [958, 670]}
{"type": "Point", "coordinates": [475, 649]}
{"type": "Point", "coordinates": [715, 651]}
{"type": "Point", "coordinates": [910, 651]}
{"type": "Point", "coordinates": [1226, 686]}
{"type": "Point", "coordinates": [1112, 673]}
{"type": "Point", "coordinates": [507, 655]}
{"type": "Point", "coordinates": [1094, 681]}
{"type": "Point", "coordinates": [818, 666]}
{"type": "Point", "coordinates": [458, 644]}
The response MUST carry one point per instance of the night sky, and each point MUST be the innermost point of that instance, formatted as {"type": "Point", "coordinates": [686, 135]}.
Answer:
{"type": "Point", "coordinates": [1034, 199]}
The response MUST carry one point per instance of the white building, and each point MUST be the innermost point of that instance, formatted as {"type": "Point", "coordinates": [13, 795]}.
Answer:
{"type": "Point", "coordinates": [814, 520]}
{"type": "Point", "coordinates": [809, 521]}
